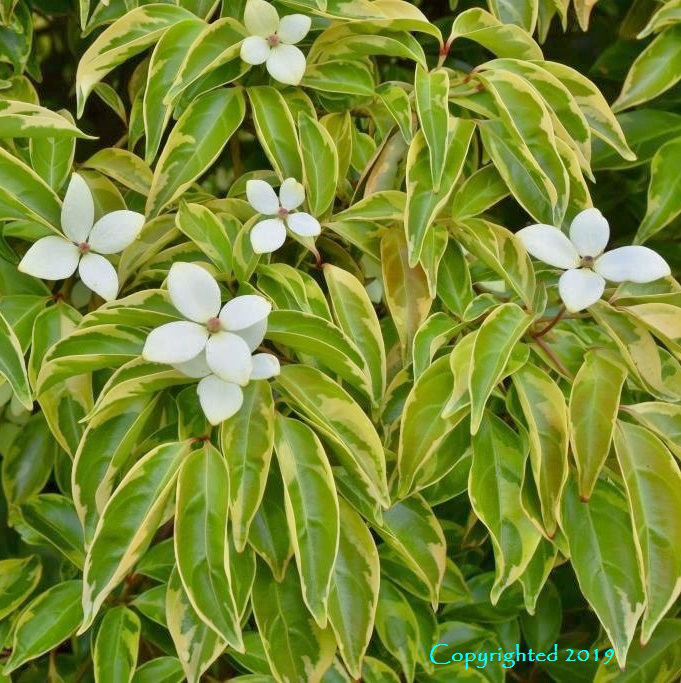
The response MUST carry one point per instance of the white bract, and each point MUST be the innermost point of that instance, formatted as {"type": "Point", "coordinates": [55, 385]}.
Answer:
{"type": "Point", "coordinates": [213, 343]}
{"type": "Point", "coordinates": [56, 258]}
{"type": "Point", "coordinates": [586, 266]}
{"type": "Point", "coordinates": [272, 41]}
{"type": "Point", "coordinates": [269, 235]}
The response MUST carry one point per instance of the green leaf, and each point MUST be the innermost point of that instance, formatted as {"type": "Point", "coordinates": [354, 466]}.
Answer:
{"type": "Point", "coordinates": [655, 70]}
{"type": "Point", "coordinates": [354, 589]}
{"type": "Point", "coordinates": [18, 579]}
{"type": "Point", "coordinates": [24, 194]}
{"type": "Point", "coordinates": [201, 548]}
{"type": "Point", "coordinates": [664, 419]}
{"type": "Point", "coordinates": [312, 336]}
{"type": "Point", "coordinates": [47, 620]}
{"type": "Point", "coordinates": [663, 192]}
{"type": "Point", "coordinates": [128, 524]}
{"type": "Point", "coordinates": [596, 110]}
{"type": "Point", "coordinates": [594, 401]}
{"type": "Point", "coordinates": [423, 428]}
{"type": "Point", "coordinates": [311, 510]}
{"type": "Point", "coordinates": [320, 164]}
{"type": "Point", "coordinates": [356, 316]}
{"type": "Point", "coordinates": [546, 414]}
{"type": "Point", "coordinates": [25, 120]}
{"type": "Point", "coordinates": [413, 531]}
{"type": "Point", "coordinates": [406, 289]}
{"type": "Point", "coordinates": [87, 349]}
{"type": "Point", "coordinates": [397, 103]}
{"type": "Point", "coordinates": [268, 534]}
{"type": "Point", "coordinates": [28, 461]}
{"type": "Point", "coordinates": [438, 329]}
{"type": "Point", "coordinates": [605, 560]}
{"type": "Point", "coordinates": [340, 76]}
{"type": "Point", "coordinates": [197, 645]}
{"type": "Point", "coordinates": [206, 231]}
{"type": "Point", "coordinates": [522, 13]}
{"type": "Point", "coordinates": [123, 167]}
{"type": "Point", "coordinates": [116, 647]}
{"type": "Point", "coordinates": [431, 92]}
{"type": "Point", "coordinates": [653, 484]}
{"type": "Point", "coordinates": [101, 457]}
{"type": "Point", "coordinates": [12, 366]}
{"type": "Point", "coordinates": [194, 143]}
{"type": "Point", "coordinates": [524, 114]}
{"type": "Point", "coordinates": [494, 488]}
{"type": "Point", "coordinates": [166, 58]}
{"type": "Point", "coordinates": [336, 416]}
{"type": "Point", "coordinates": [397, 627]}
{"type": "Point", "coordinates": [126, 37]}
{"type": "Point", "coordinates": [52, 157]}
{"type": "Point", "coordinates": [246, 441]}
{"type": "Point", "coordinates": [492, 348]}
{"type": "Point", "coordinates": [479, 192]}
{"type": "Point", "coordinates": [160, 670]}
{"type": "Point", "coordinates": [276, 131]}
{"type": "Point", "coordinates": [658, 659]}
{"type": "Point", "coordinates": [504, 40]}
{"type": "Point", "coordinates": [424, 202]}
{"type": "Point", "coordinates": [280, 613]}
{"type": "Point", "coordinates": [218, 43]}
{"type": "Point", "coordinates": [53, 517]}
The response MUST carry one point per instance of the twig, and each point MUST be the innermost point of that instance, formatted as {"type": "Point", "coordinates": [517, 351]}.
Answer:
{"type": "Point", "coordinates": [553, 322]}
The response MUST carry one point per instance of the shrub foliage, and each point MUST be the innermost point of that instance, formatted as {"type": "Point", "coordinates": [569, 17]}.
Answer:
{"type": "Point", "coordinates": [422, 393]}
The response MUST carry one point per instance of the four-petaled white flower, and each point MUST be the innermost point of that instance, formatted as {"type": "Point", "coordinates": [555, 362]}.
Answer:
{"type": "Point", "coordinates": [272, 41]}
{"type": "Point", "coordinates": [56, 258]}
{"type": "Point", "coordinates": [586, 266]}
{"type": "Point", "coordinates": [213, 343]}
{"type": "Point", "coordinates": [269, 235]}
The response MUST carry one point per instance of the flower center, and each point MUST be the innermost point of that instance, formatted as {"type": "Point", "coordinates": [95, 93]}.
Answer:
{"type": "Point", "coordinates": [273, 40]}
{"type": "Point", "coordinates": [587, 262]}
{"type": "Point", "coordinates": [282, 213]}
{"type": "Point", "coordinates": [214, 325]}
{"type": "Point", "coordinates": [84, 247]}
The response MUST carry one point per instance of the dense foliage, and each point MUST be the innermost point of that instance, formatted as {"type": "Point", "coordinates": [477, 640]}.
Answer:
{"type": "Point", "coordinates": [426, 392]}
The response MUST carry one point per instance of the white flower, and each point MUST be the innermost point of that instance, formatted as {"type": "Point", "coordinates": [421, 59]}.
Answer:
{"type": "Point", "coordinates": [586, 266]}
{"type": "Point", "coordinates": [269, 235]}
{"type": "Point", "coordinates": [56, 258]}
{"type": "Point", "coordinates": [272, 40]}
{"type": "Point", "coordinates": [212, 343]}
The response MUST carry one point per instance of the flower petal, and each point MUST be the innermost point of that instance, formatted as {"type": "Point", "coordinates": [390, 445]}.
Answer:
{"type": "Point", "coordinates": [260, 18]}
{"type": "Point", "coordinates": [262, 197]}
{"type": "Point", "coordinates": [244, 311]}
{"type": "Point", "coordinates": [293, 28]}
{"type": "Point", "coordinates": [579, 288]}
{"type": "Point", "coordinates": [268, 235]}
{"type": "Point", "coordinates": [286, 64]}
{"type": "Point", "coordinates": [194, 367]}
{"type": "Point", "coordinates": [193, 291]}
{"type": "Point", "coordinates": [255, 50]}
{"type": "Point", "coordinates": [254, 334]}
{"type": "Point", "coordinates": [114, 231]}
{"type": "Point", "coordinates": [265, 365]}
{"type": "Point", "coordinates": [550, 245]}
{"type": "Point", "coordinates": [219, 399]}
{"type": "Point", "coordinates": [99, 275]}
{"type": "Point", "coordinates": [589, 232]}
{"type": "Point", "coordinates": [303, 224]}
{"type": "Point", "coordinates": [291, 194]}
{"type": "Point", "coordinates": [633, 264]}
{"type": "Point", "coordinates": [78, 210]}
{"type": "Point", "coordinates": [175, 342]}
{"type": "Point", "coordinates": [52, 258]}
{"type": "Point", "coordinates": [229, 357]}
